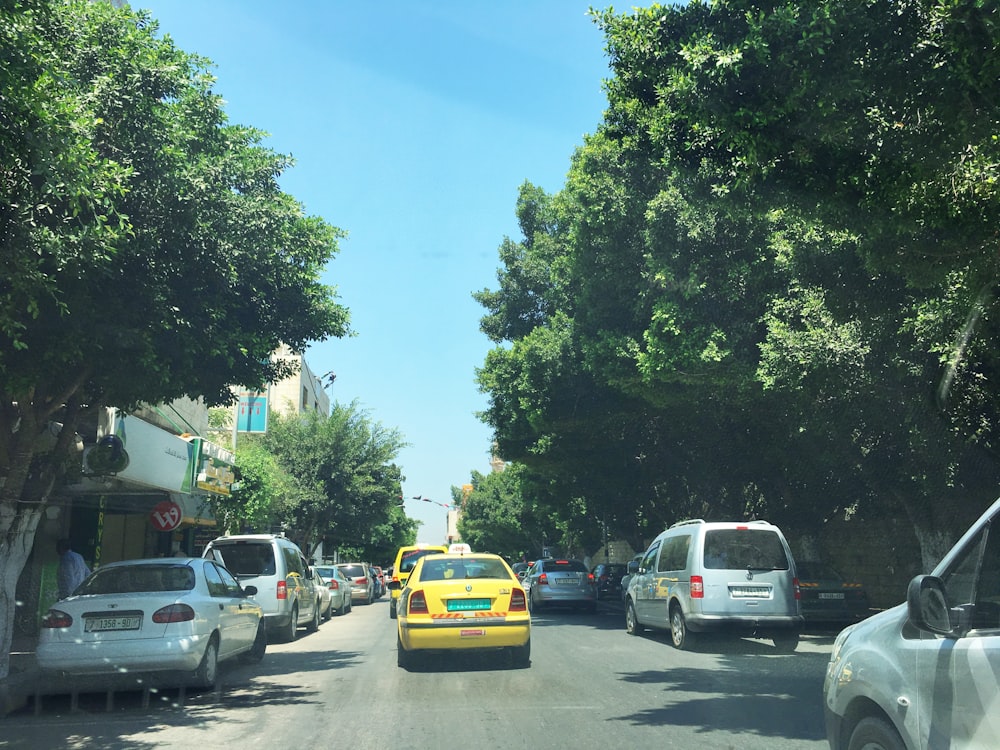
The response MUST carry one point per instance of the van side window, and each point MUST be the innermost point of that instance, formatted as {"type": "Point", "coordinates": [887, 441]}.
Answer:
{"type": "Point", "coordinates": [975, 579]}
{"type": "Point", "coordinates": [292, 560]}
{"type": "Point", "coordinates": [649, 561]}
{"type": "Point", "coordinates": [675, 553]}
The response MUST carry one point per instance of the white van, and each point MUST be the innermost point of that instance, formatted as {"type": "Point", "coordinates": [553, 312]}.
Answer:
{"type": "Point", "coordinates": [732, 576]}
{"type": "Point", "coordinates": [925, 674]}
{"type": "Point", "coordinates": [277, 567]}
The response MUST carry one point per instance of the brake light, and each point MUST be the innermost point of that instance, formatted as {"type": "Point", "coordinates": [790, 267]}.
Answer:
{"type": "Point", "coordinates": [417, 605]}
{"type": "Point", "coordinates": [282, 590]}
{"type": "Point", "coordinates": [591, 577]}
{"type": "Point", "coordinates": [697, 587]}
{"type": "Point", "coordinates": [56, 618]}
{"type": "Point", "coordinates": [796, 588]}
{"type": "Point", "coordinates": [173, 613]}
{"type": "Point", "coordinates": [334, 586]}
{"type": "Point", "coordinates": [517, 601]}
{"type": "Point", "coordinates": [543, 579]}
{"type": "Point", "coordinates": [361, 581]}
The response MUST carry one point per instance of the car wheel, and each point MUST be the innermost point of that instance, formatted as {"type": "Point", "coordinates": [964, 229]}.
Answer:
{"type": "Point", "coordinates": [392, 610]}
{"type": "Point", "coordinates": [313, 625]}
{"type": "Point", "coordinates": [680, 636]}
{"type": "Point", "coordinates": [874, 733]}
{"type": "Point", "coordinates": [520, 656]}
{"type": "Point", "coordinates": [404, 658]}
{"type": "Point", "coordinates": [534, 605]}
{"type": "Point", "coordinates": [786, 643]}
{"type": "Point", "coordinates": [291, 631]}
{"type": "Point", "coordinates": [329, 611]}
{"type": "Point", "coordinates": [256, 652]}
{"type": "Point", "coordinates": [208, 671]}
{"type": "Point", "coordinates": [632, 624]}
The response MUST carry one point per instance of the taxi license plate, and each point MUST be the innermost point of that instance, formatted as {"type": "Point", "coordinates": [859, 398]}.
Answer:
{"type": "Point", "coordinates": [467, 605]}
{"type": "Point", "coordinates": [833, 595]}
{"type": "Point", "coordinates": [101, 624]}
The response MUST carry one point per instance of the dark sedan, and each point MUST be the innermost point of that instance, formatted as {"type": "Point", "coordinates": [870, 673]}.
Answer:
{"type": "Point", "coordinates": [828, 598]}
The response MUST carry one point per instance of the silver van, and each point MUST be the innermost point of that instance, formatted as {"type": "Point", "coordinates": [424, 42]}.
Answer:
{"type": "Point", "coordinates": [277, 567]}
{"type": "Point", "coordinates": [924, 674]}
{"type": "Point", "coordinates": [700, 576]}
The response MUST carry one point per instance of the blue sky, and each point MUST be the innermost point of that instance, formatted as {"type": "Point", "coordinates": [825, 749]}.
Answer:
{"type": "Point", "coordinates": [412, 126]}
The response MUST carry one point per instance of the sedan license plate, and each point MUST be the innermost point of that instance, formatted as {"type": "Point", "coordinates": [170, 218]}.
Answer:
{"type": "Point", "coordinates": [100, 624]}
{"type": "Point", "coordinates": [831, 595]}
{"type": "Point", "coordinates": [467, 605]}
{"type": "Point", "coordinates": [567, 581]}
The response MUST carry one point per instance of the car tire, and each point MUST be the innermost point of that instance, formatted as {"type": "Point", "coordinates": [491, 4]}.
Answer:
{"type": "Point", "coordinates": [392, 610]}
{"type": "Point", "coordinates": [313, 625]}
{"type": "Point", "coordinates": [329, 611]}
{"type": "Point", "coordinates": [207, 673]}
{"type": "Point", "coordinates": [259, 647]}
{"type": "Point", "coordinates": [680, 636]}
{"type": "Point", "coordinates": [874, 733]}
{"type": "Point", "coordinates": [520, 656]}
{"type": "Point", "coordinates": [786, 643]}
{"type": "Point", "coordinates": [291, 631]}
{"type": "Point", "coordinates": [632, 624]}
{"type": "Point", "coordinates": [533, 605]}
{"type": "Point", "coordinates": [404, 658]}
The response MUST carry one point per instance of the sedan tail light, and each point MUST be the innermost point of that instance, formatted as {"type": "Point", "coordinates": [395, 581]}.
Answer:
{"type": "Point", "coordinates": [334, 586]}
{"type": "Point", "coordinates": [517, 601]}
{"type": "Point", "coordinates": [173, 613]}
{"type": "Point", "coordinates": [697, 587]}
{"type": "Point", "coordinates": [417, 604]}
{"type": "Point", "coordinates": [56, 618]}
{"type": "Point", "coordinates": [543, 579]}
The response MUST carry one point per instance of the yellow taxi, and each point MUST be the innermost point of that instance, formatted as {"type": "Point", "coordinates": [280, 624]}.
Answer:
{"type": "Point", "coordinates": [406, 558]}
{"type": "Point", "coordinates": [465, 601]}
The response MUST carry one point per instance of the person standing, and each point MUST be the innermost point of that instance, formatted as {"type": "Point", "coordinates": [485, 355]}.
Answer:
{"type": "Point", "coordinates": [72, 568]}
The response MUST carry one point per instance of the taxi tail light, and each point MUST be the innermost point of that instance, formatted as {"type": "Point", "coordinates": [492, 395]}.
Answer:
{"type": "Point", "coordinates": [697, 587]}
{"type": "Point", "coordinates": [56, 618]}
{"type": "Point", "coordinates": [173, 613]}
{"type": "Point", "coordinates": [796, 588]}
{"type": "Point", "coordinates": [418, 603]}
{"type": "Point", "coordinates": [517, 601]}
{"type": "Point", "coordinates": [282, 590]}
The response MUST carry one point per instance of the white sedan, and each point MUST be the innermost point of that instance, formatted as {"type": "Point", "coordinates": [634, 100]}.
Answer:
{"type": "Point", "coordinates": [165, 617]}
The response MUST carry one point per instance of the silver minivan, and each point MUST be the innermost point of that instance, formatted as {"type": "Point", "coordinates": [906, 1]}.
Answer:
{"type": "Point", "coordinates": [925, 674]}
{"type": "Point", "coordinates": [732, 576]}
{"type": "Point", "coordinates": [277, 567]}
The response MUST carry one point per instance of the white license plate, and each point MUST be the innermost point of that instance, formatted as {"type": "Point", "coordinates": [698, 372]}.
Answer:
{"type": "Point", "coordinates": [567, 581]}
{"type": "Point", "coordinates": [98, 624]}
{"type": "Point", "coordinates": [832, 595]}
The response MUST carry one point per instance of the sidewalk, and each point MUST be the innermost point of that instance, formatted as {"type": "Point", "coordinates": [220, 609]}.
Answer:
{"type": "Point", "coordinates": [20, 683]}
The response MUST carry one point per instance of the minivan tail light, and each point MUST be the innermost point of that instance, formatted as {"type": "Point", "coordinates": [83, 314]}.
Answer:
{"type": "Point", "coordinates": [282, 590]}
{"type": "Point", "coordinates": [173, 613]}
{"type": "Point", "coordinates": [796, 588]}
{"type": "Point", "coordinates": [418, 603]}
{"type": "Point", "coordinates": [517, 601]}
{"type": "Point", "coordinates": [697, 587]}
{"type": "Point", "coordinates": [56, 618]}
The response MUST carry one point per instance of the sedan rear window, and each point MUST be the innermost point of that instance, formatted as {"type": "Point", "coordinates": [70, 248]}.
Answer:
{"type": "Point", "coordinates": [132, 579]}
{"type": "Point", "coordinates": [353, 571]}
{"type": "Point", "coordinates": [571, 566]}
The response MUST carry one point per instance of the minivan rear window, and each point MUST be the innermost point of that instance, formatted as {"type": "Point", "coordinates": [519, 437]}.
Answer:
{"type": "Point", "coordinates": [247, 559]}
{"type": "Point", "coordinates": [745, 549]}
{"type": "Point", "coordinates": [352, 571]}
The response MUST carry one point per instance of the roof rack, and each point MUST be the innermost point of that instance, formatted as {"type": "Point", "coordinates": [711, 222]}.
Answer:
{"type": "Point", "coordinates": [688, 521]}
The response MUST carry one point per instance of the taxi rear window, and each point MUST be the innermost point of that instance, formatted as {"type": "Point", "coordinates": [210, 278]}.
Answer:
{"type": "Point", "coordinates": [409, 558]}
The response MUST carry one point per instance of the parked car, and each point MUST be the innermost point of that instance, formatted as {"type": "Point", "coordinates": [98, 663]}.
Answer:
{"type": "Point", "coordinates": [630, 569]}
{"type": "Point", "coordinates": [339, 587]}
{"type": "Point", "coordinates": [608, 579]}
{"type": "Point", "coordinates": [923, 674]}
{"type": "Point", "coordinates": [175, 619]}
{"type": "Point", "coordinates": [277, 568]}
{"type": "Point", "coordinates": [379, 581]}
{"type": "Point", "coordinates": [323, 592]}
{"type": "Point", "coordinates": [733, 576]}
{"type": "Point", "coordinates": [462, 602]}
{"type": "Point", "coordinates": [561, 582]}
{"type": "Point", "coordinates": [360, 577]}
{"type": "Point", "coordinates": [828, 597]}
{"type": "Point", "coordinates": [406, 558]}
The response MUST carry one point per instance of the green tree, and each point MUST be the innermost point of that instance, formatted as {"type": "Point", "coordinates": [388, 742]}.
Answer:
{"type": "Point", "coordinates": [346, 478]}
{"type": "Point", "coordinates": [148, 252]}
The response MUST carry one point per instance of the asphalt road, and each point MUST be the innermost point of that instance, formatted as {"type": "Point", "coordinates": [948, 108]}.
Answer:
{"type": "Point", "coordinates": [590, 685]}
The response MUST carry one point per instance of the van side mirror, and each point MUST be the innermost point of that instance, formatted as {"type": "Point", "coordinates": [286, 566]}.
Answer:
{"type": "Point", "coordinates": [927, 606]}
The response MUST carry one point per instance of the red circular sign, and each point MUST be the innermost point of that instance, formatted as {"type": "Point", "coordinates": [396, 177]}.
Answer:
{"type": "Point", "coordinates": [166, 516]}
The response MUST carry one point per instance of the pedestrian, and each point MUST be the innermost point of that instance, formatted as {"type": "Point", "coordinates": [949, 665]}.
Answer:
{"type": "Point", "coordinates": [72, 568]}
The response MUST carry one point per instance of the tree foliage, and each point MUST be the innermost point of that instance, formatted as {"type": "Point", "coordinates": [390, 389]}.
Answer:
{"type": "Point", "coordinates": [767, 287]}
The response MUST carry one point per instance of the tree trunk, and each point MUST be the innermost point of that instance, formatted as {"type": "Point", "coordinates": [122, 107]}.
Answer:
{"type": "Point", "coordinates": [18, 524]}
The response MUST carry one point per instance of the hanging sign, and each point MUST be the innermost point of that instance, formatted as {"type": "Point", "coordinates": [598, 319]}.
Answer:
{"type": "Point", "coordinates": [166, 516]}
